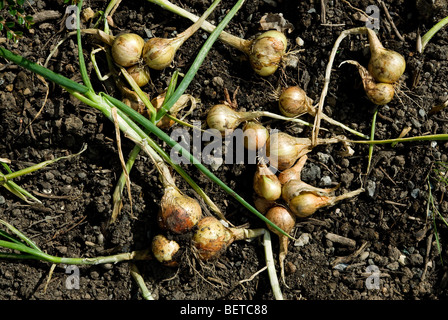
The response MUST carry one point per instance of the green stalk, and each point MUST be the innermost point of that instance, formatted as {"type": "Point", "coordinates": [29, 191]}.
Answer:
{"type": "Point", "coordinates": [428, 35]}
{"type": "Point", "coordinates": [372, 137]}
{"type": "Point", "coordinates": [431, 137]}
{"type": "Point", "coordinates": [82, 64]}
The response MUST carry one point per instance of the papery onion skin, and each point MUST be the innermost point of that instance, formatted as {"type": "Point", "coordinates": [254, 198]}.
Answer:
{"type": "Point", "coordinates": [165, 250]}
{"type": "Point", "coordinates": [266, 52]}
{"type": "Point", "coordinates": [127, 49]}
{"type": "Point", "coordinates": [178, 213]}
{"type": "Point", "coordinates": [211, 238]}
{"type": "Point", "coordinates": [266, 184]}
{"type": "Point", "coordinates": [380, 93]}
{"type": "Point", "coordinates": [283, 150]}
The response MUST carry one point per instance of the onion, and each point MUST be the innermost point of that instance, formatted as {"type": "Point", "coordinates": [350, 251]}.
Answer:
{"type": "Point", "coordinates": [158, 53]}
{"type": "Point", "coordinates": [183, 101]}
{"type": "Point", "coordinates": [211, 238]}
{"type": "Point", "coordinates": [378, 92]}
{"type": "Point", "coordinates": [127, 49]}
{"type": "Point", "coordinates": [293, 173]}
{"type": "Point", "coordinates": [263, 205]}
{"type": "Point", "coordinates": [224, 119]}
{"type": "Point", "coordinates": [266, 184]}
{"type": "Point", "coordinates": [255, 135]}
{"type": "Point", "coordinates": [284, 219]}
{"type": "Point", "coordinates": [294, 102]}
{"type": "Point", "coordinates": [178, 212]}
{"type": "Point", "coordinates": [385, 65]}
{"type": "Point", "coordinates": [165, 250]}
{"type": "Point", "coordinates": [283, 150]}
{"type": "Point", "coordinates": [140, 74]}
{"type": "Point", "coordinates": [267, 51]}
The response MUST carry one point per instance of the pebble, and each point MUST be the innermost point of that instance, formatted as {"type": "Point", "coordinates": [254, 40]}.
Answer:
{"type": "Point", "coordinates": [393, 266]}
{"type": "Point", "coordinates": [311, 173]}
{"type": "Point", "coordinates": [415, 193]}
{"type": "Point", "coordinates": [325, 181]}
{"type": "Point", "coordinates": [303, 240]}
{"type": "Point", "coordinates": [2, 200]}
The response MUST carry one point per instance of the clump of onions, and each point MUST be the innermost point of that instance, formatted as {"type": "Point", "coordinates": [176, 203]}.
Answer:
{"type": "Point", "coordinates": [283, 150]}
{"type": "Point", "coordinates": [379, 93]}
{"type": "Point", "coordinates": [294, 102]}
{"type": "Point", "coordinates": [140, 74]}
{"type": "Point", "coordinates": [225, 119]}
{"type": "Point", "coordinates": [304, 200]}
{"type": "Point", "coordinates": [158, 53]}
{"type": "Point", "coordinates": [385, 66]}
{"type": "Point", "coordinates": [165, 250]}
{"type": "Point", "coordinates": [284, 219]}
{"type": "Point", "coordinates": [255, 135]}
{"type": "Point", "coordinates": [266, 183]}
{"type": "Point", "coordinates": [127, 49]}
{"type": "Point", "coordinates": [212, 238]}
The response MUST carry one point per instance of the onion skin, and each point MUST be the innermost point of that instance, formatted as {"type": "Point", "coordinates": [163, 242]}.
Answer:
{"type": "Point", "coordinates": [165, 250]}
{"type": "Point", "coordinates": [293, 102]}
{"type": "Point", "coordinates": [178, 213]}
{"type": "Point", "coordinates": [127, 49]}
{"type": "Point", "coordinates": [385, 65]}
{"type": "Point", "coordinates": [266, 52]}
{"type": "Point", "coordinates": [211, 238]}
{"type": "Point", "coordinates": [282, 217]}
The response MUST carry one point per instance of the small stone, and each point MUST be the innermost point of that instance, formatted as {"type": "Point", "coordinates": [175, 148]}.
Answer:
{"type": "Point", "coordinates": [415, 193]}
{"type": "Point", "coordinates": [325, 181]}
{"type": "Point", "coordinates": [303, 240]}
{"type": "Point", "coordinates": [2, 200]}
{"type": "Point", "coordinates": [393, 266]}
{"type": "Point", "coordinates": [371, 186]}
{"type": "Point", "coordinates": [26, 92]}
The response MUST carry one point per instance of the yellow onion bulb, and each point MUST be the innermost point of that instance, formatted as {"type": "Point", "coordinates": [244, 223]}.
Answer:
{"type": "Point", "coordinates": [267, 51]}
{"type": "Point", "coordinates": [380, 93]}
{"type": "Point", "coordinates": [165, 250]}
{"type": "Point", "coordinates": [178, 212]}
{"type": "Point", "coordinates": [211, 238]}
{"type": "Point", "coordinates": [127, 49]}
{"type": "Point", "coordinates": [140, 74]}
{"type": "Point", "coordinates": [223, 118]}
{"type": "Point", "coordinates": [266, 184]}
{"type": "Point", "coordinates": [283, 150]}
{"type": "Point", "coordinates": [158, 53]}
{"type": "Point", "coordinates": [255, 135]}
{"type": "Point", "coordinates": [282, 218]}
{"type": "Point", "coordinates": [293, 102]}
{"type": "Point", "coordinates": [307, 203]}
{"type": "Point", "coordinates": [385, 65]}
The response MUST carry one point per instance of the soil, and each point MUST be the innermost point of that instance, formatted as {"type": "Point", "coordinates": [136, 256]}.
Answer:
{"type": "Point", "coordinates": [390, 224]}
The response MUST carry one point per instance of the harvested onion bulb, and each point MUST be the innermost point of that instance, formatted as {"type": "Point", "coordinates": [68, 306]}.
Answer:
{"type": "Point", "coordinates": [283, 150]}
{"type": "Point", "coordinates": [158, 53]}
{"type": "Point", "coordinates": [266, 183]}
{"type": "Point", "coordinates": [385, 65]}
{"type": "Point", "coordinates": [304, 200]}
{"type": "Point", "coordinates": [140, 74]}
{"type": "Point", "coordinates": [178, 212]}
{"type": "Point", "coordinates": [294, 102]}
{"type": "Point", "coordinates": [284, 219]}
{"type": "Point", "coordinates": [255, 135]}
{"type": "Point", "coordinates": [378, 92]}
{"type": "Point", "coordinates": [266, 52]}
{"type": "Point", "coordinates": [224, 119]}
{"type": "Point", "coordinates": [211, 238]}
{"type": "Point", "coordinates": [127, 49]}
{"type": "Point", "coordinates": [165, 250]}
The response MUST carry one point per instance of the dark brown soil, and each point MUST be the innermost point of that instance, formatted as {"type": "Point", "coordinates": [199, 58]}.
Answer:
{"type": "Point", "coordinates": [389, 222]}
